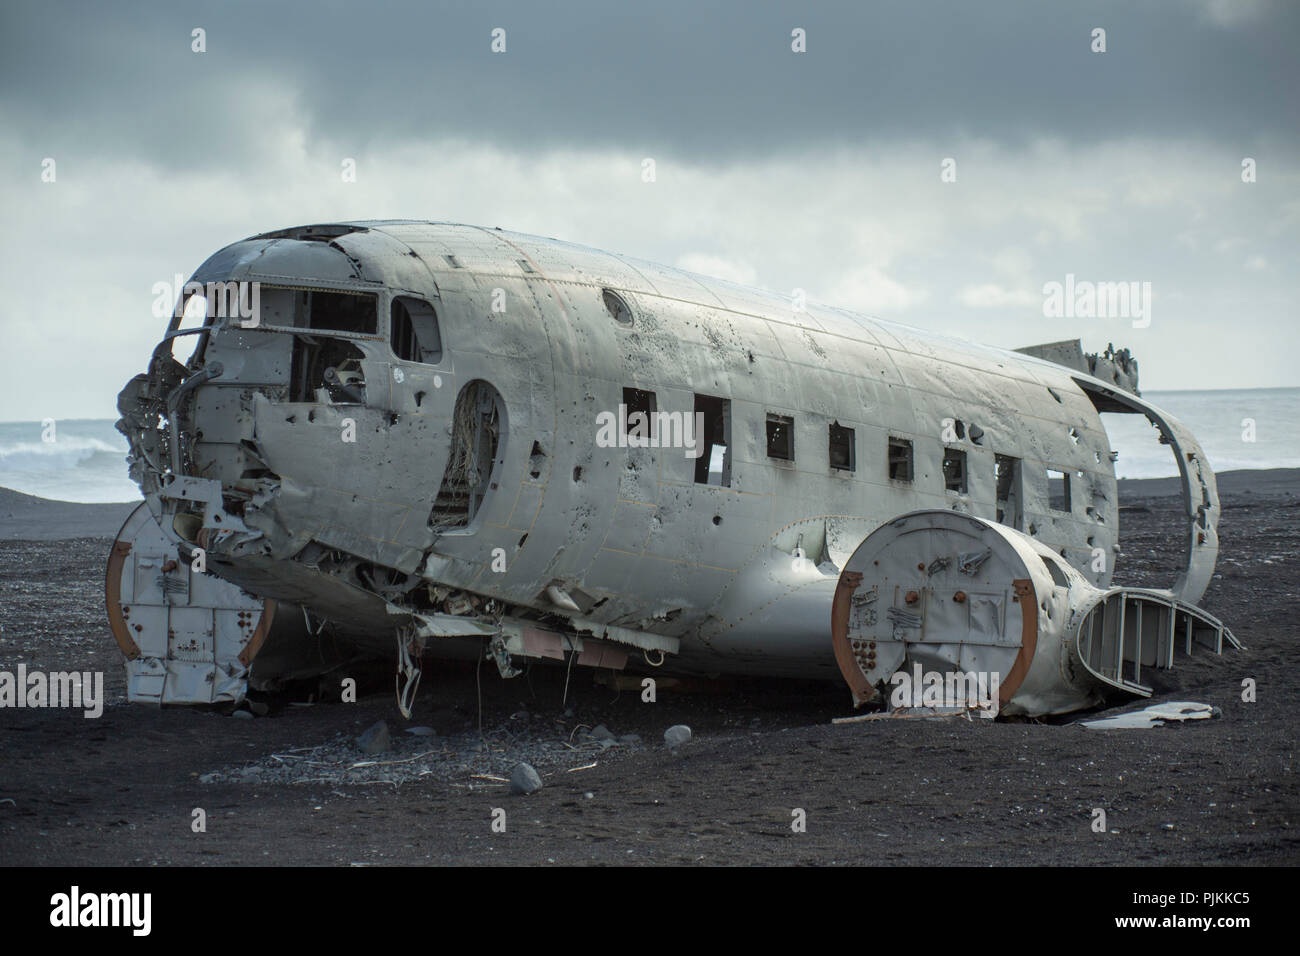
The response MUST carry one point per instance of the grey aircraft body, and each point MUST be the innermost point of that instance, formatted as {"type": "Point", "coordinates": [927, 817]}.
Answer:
{"type": "Point", "coordinates": [424, 439]}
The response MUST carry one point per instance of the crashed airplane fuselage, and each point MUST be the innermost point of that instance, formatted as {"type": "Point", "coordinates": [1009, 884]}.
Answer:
{"type": "Point", "coordinates": [445, 440]}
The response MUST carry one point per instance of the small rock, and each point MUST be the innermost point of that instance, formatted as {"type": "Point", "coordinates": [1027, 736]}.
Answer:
{"type": "Point", "coordinates": [601, 732]}
{"type": "Point", "coordinates": [259, 707]}
{"type": "Point", "coordinates": [630, 739]}
{"type": "Point", "coordinates": [421, 731]}
{"type": "Point", "coordinates": [568, 712]}
{"type": "Point", "coordinates": [242, 715]}
{"type": "Point", "coordinates": [676, 735]}
{"type": "Point", "coordinates": [525, 779]}
{"type": "Point", "coordinates": [376, 739]}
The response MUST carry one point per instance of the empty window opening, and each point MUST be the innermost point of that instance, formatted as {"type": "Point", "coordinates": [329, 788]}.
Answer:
{"type": "Point", "coordinates": [414, 331]}
{"type": "Point", "coordinates": [283, 307]}
{"type": "Point", "coordinates": [1058, 490]}
{"type": "Point", "coordinates": [1138, 449]}
{"type": "Point", "coordinates": [1059, 578]}
{"type": "Point", "coordinates": [617, 307]}
{"type": "Point", "coordinates": [477, 454]}
{"type": "Point", "coordinates": [976, 435]}
{"type": "Point", "coordinates": [954, 470]}
{"type": "Point", "coordinates": [639, 407]}
{"type": "Point", "coordinates": [780, 437]}
{"type": "Point", "coordinates": [328, 364]}
{"type": "Point", "coordinates": [713, 466]}
{"type": "Point", "coordinates": [842, 447]}
{"type": "Point", "coordinates": [194, 315]}
{"type": "Point", "coordinates": [900, 459]}
{"type": "Point", "coordinates": [1006, 471]}
{"type": "Point", "coordinates": [341, 312]}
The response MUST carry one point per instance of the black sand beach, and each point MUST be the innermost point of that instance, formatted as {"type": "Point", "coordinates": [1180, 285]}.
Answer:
{"type": "Point", "coordinates": [121, 789]}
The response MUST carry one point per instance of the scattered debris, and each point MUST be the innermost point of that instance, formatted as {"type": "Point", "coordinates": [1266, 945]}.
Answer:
{"type": "Point", "coordinates": [422, 731]}
{"type": "Point", "coordinates": [913, 713]}
{"type": "Point", "coordinates": [460, 758]}
{"type": "Point", "coordinates": [1157, 715]}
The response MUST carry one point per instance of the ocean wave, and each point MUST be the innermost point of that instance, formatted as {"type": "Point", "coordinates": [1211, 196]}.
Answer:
{"type": "Point", "coordinates": [65, 452]}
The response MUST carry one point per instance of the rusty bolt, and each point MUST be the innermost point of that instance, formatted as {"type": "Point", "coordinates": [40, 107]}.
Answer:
{"type": "Point", "coordinates": [921, 566]}
{"type": "Point", "coordinates": [960, 597]}
{"type": "Point", "coordinates": [911, 597]}
{"type": "Point", "coordinates": [138, 627]}
{"type": "Point", "coordinates": [872, 645]}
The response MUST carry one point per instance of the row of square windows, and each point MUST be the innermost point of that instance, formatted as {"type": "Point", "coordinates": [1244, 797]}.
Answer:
{"type": "Point", "coordinates": [713, 464]}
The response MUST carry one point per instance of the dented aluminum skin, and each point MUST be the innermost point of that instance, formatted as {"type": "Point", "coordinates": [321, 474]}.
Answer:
{"type": "Point", "coordinates": [475, 509]}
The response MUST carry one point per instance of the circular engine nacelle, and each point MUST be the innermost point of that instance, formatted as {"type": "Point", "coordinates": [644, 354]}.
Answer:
{"type": "Point", "coordinates": [943, 609]}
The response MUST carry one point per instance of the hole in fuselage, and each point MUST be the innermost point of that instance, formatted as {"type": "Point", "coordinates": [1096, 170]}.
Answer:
{"type": "Point", "coordinates": [477, 452]}
{"type": "Point", "coordinates": [1153, 527]}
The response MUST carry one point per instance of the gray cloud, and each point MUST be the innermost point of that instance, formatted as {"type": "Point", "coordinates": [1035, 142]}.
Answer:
{"type": "Point", "coordinates": [708, 82]}
{"type": "Point", "coordinates": [818, 171]}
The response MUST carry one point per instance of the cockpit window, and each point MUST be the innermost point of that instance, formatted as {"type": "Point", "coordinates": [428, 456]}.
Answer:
{"type": "Point", "coordinates": [322, 309]}
{"type": "Point", "coordinates": [341, 312]}
{"type": "Point", "coordinates": [414, 331]}
{"type": "Point", "coordinates": [194, 315]}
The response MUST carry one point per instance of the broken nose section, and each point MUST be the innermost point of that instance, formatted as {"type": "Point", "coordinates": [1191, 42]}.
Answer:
{"type": "Point", "coordinates": [943, 609]}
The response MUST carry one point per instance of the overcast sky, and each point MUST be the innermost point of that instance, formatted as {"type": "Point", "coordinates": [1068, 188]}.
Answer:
{"type": "Point", "coordinates": [819, 170]}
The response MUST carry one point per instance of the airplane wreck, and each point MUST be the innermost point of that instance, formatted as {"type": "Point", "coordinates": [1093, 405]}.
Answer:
{"type": "Point", "coordinates": [405, 451]}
